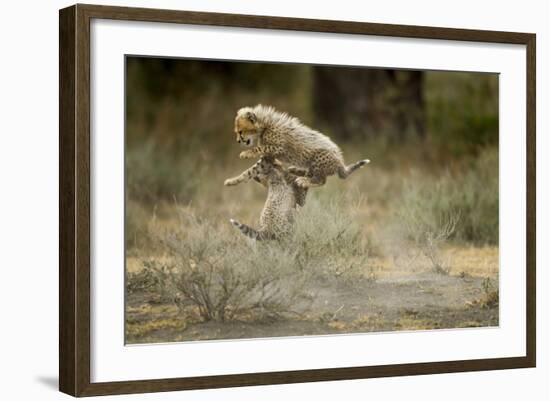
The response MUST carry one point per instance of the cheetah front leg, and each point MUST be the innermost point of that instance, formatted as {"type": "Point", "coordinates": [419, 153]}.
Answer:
{"type": "Point", "coordinates": [251, 153]}
{"type": "Point", "coordinates": [246, 175]}
{"type": "Point", "coordinates": [260, 151]}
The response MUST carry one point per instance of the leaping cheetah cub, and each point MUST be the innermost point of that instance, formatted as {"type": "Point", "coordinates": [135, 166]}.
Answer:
{"type": "Point", "coordinates": [283, 195]}
{"type": "Point", "coordinates": [268, 132]}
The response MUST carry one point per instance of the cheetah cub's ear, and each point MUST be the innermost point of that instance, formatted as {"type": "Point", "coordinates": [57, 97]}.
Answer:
{"type": "Point", "coordinates": [250, 116]}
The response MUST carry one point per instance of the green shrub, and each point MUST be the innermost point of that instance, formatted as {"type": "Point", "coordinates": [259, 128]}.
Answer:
{"type": "Point", "coordinates": [473, 196]}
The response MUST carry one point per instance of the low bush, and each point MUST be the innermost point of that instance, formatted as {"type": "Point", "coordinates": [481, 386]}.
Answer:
{"type": "Point", "coordinates": [329, 239]}
{"type": "Point", "coordinates": [226, 277]}
{"type": "Point", "coordinates": [473, 196]}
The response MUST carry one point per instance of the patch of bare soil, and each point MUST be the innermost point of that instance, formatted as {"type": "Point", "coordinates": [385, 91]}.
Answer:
{"type": "Point", "coordinates": [415, 301]}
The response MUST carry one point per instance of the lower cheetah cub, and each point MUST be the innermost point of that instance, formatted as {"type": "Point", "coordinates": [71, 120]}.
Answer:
{"type": "Point", "coordinates": [283, 195]}
{"type": "Point", "coordinates": [268, 132]}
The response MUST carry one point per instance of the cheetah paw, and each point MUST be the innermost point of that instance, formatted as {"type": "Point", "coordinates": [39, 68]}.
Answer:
{"type": "Point", "coordinates": [302, 182]}
{"type": "Point", "coordinates": [230, 182]}
{"type": "Point", "coordinates": [246, 154]}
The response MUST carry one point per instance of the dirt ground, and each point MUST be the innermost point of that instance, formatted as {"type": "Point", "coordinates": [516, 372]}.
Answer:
{"type": "Point", "coordinates": [389, 296]}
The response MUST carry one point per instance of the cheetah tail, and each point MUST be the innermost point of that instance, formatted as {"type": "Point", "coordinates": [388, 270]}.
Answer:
{"type": "Point", "coordinates": [345, 171]}
{"type": "Point", "coordinates": [249, 231]}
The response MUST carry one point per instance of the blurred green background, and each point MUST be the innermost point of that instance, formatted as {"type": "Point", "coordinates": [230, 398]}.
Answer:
{"type": "Point", "coordinates": [432, 137]}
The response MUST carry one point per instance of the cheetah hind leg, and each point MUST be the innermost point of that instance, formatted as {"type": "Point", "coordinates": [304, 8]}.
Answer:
{"type": "Point", "coordinates": [299, 171]}
{"type": "Point", "coordinates": [300, 194]}
{"type": "Point", "coordinates": [251, 232]}
{"type": "Point", "coordinates": [310, 182]}
{"type": "Point", "coordinates": [345, 171]}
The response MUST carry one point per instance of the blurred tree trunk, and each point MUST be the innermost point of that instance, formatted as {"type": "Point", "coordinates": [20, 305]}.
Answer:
{"type": "Point", "coordinates": [361, 102]}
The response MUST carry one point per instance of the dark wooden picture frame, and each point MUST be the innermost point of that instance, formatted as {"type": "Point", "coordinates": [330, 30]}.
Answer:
{"type": "Point", "coordinates": [74, 202]}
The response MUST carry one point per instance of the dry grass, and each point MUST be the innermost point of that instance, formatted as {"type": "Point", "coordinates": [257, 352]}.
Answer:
{"type": "Point", "coordinates": [357, 234]}
{"type": "Point", "coordinates": [490, 295]}
{"type": "Point", "coordinates": [468, 261]}
{"type": "Point", "coordinates": [141, 329]}
{"type": "Point", "coordinates": [209, 269]}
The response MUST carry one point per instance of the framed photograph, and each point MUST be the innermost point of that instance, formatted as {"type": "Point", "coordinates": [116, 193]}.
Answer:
{"type": "Point", "coordinates": [250, 200]}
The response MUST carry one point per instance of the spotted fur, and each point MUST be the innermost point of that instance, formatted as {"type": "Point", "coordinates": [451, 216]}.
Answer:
{"type": "Point", "coordinates": [268, 132]}
{"type": "Point", "coordinates": [283, 195]}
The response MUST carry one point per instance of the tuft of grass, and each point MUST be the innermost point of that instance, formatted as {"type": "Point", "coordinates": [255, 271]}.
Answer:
{"type": "Point", "coordinates": [473, 196]}
{"type": "Point", "coordinates": [138, 220]}
{"type": "Point", "coordinates": [430, 235]}
{"type": "Point", "coordinates": [330, 240]}
{"type": "Point", "coordinates": [141, 329]}
{"type": "Point", "coordinates": [415, 323]}
{"type": "Point", "coordinates": [224, 276]}
{"type": "Point", "coordinates": [476, 193]}
{"type": "Point", "coordinates": [142, 280]}
{"type": "Point", "coordinates": [490, 296]}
